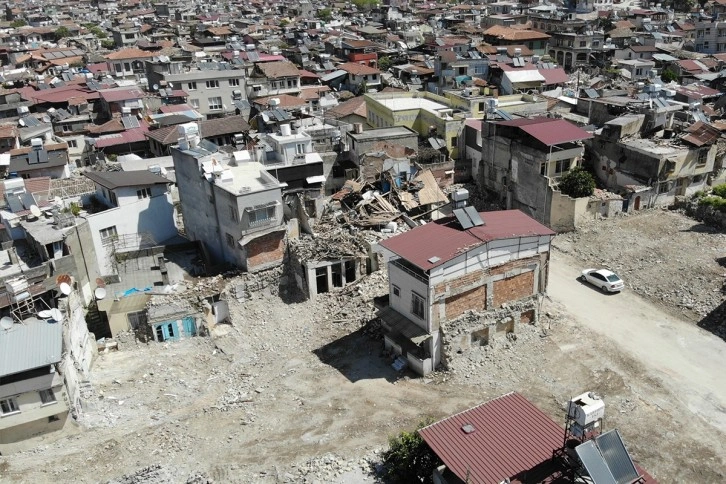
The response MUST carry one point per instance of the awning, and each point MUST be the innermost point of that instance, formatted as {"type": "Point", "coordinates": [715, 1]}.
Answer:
{"type": "Point", "coordinates": [461, 79]}
{"type": "Point", "coordinates": [400, 325]}
{"type": "Point", "coordinates": [315, 179]}
{"type": "Point", "coordinates": [246, 239]}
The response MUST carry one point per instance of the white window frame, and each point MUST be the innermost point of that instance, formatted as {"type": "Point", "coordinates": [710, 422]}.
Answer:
{"type": "Point", "coordinates": [47, 397]}
{"type": "Point", "coordinates": [143, 193]}
{"type": "Point", "coordinates": [194, 103]}
{"type": "Point", "coordinates": [262, 215]}
{"type": "Point", "coordinates": [212, 84]}
{"type": "Point", "coordinates": [234, 82]}
{"type": "Point", "coordinates": [192, 86]}
{"type": "Point", "coordinates": [108, 232]}
{"type": "Point", "coordinates": [9, 406]}
{"type": "Point", "coordinates": [215, 103]}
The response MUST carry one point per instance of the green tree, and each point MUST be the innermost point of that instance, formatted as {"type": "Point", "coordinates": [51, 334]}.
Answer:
{"type": "Point", "coordinates": [62, 32]}
{"type": "Point", "coordinates": [577, 183]}
{"type": "Point", "coordinates": [325, 14]}
{"type": "Point", "coordinates": [409, 459]}
{"type": "Point", "coordinates": [107, 44]}
{"type": "Point", "coordinates": [384, 63]}
{"type": "Point", "coordinates": [284, 23]}
{"type": "Point", "coordinates": [668, 75]}
{"type": "Point", "coordinates": [365, 4]}
{"type": "Point", "coordinates": [18, 23]}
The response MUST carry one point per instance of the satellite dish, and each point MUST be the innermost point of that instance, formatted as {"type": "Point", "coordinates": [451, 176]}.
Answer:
{"type": "Point", "coordinates": [56, 315]}
{"type": "Point", "coordinates": [63, 278]}
{"type": "Point", "coordinates": [100, 293]}
{"type": "Point", "coordinates": [155, 87]}
{"type": "Point", "coordinates": [21, 122]}
{"type": "Point", "coordinates": [169, 85]}
{"type": "Point", "coordinates": [6, 322]}
{"type": "Point", "coordinates": [58, 200]}
{"type": "Point", "coordinates": [65, 288]}
{"type": "Point", "coordinates": [46, 118]}
{"type": "Point", "coordinates": [45, 314]}
{"type": "Point", "coordinates": [35, 211]}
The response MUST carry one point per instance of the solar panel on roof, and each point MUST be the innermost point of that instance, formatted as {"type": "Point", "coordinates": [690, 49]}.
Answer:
{"type": "Point", "coordinates": [208, 145]}
{"type": "Point", "coordinates": [592, 93]}
{"type": "Point", "coordinates": [616, 457]}
{"type": "Point", "coordinates": [27, 200]}
{"type": "Point", "coordinates": [594, 464]}
{"type": "Point", "coordinates": [30, 121]}
{"type": "Point", "coordinates": [474, 54]}
{"type": "Point", "coordinates": [130, 122]}
{"type": "Point", "coordinates": [429, 63]}
{"type": "Point", "coordinates": [463, 218]}
{"type": "Point", "coordinates": [504, 115]}
{"type": "Point", "coordinates": [502, 58]}
{"type": "Point", "coordinates": [304, 50]}
{"type": "Point", "coordinates": [280, 114]}
{"type": "Point", "coordinates": [43, 86]}
{"type": "Point", "coordinates": [15, 203]}
{"type": "Point", "coordinates": [474, 216]}
{"type": "Point", "coordinates": [253, 56]}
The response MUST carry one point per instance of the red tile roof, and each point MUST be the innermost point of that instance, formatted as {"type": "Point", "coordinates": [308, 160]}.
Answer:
{"type": "Point", "coordinates": [121, 94]}
{"type": "Point", "coordinates": [446, 240]}
{"type": "Point", "coordinates": [549, 131]}
{"type": "Point", "coordinates": [511, 436]}
{"type": "Point", "coordinates": [554, 76]}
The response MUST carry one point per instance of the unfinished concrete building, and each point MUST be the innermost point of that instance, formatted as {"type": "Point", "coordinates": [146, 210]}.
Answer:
{"type": "Point", "coordinates": [491, 263]}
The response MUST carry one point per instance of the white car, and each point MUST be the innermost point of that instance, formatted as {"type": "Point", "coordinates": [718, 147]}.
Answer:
{"type": "Point", "coordinates": [606, 280]}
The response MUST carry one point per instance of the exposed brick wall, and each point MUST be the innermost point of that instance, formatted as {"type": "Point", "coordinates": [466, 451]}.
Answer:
{"type": "Point", "coordinates": [460, 282]}
{"type": "Point", "coordinates": [513, 288]}
{"type": "Point", "coordinates": [475, 299]}
{"type": "Point", "coordinates": [514, 265]}
{"type": "Point", "coordinates": [266, 251]}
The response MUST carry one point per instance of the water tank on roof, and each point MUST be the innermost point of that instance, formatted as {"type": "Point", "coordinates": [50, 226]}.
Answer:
{"type": "Point", "coordinates": [274, 102]}
{"type": "Point", "coordinates": [586, 409]}
{"type": "Point", "coordinates": [188, 129]}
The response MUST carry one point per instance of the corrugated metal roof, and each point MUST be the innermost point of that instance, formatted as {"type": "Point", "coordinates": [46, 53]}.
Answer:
{"type": "Point", "coordinates": [30, 345]}
{"type": "Point", "coordinates": [446, 240]}
{"type": "Point", "coordinates": [510, 436]}
{"type": "Point", "coordinates": [700, 134]}
{"type": "Point", "coordinates": [550, 131]}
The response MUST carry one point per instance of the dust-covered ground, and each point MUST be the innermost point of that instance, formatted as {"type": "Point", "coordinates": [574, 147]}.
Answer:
{"type": "Point", "coordinates": [302, 391]}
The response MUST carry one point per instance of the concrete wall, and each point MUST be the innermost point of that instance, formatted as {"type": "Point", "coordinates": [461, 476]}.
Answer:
{"type": "Point", "coordinates": [201, 94]}
{"type": "Point", "coordinates": [566, 212]}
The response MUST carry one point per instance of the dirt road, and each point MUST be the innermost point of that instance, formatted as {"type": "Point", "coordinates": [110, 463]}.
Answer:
{"type": "Point", "coordinates": [684, 358]}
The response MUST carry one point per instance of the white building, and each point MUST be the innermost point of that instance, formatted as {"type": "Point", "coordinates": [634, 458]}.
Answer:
{"type": "Point", "coordinates": [133, 210]}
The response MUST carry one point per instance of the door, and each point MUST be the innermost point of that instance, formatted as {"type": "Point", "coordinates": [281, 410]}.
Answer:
{"type": "Point", "coordinates": [190, 329]}
{"type": "Point", "coordinates": [636, 204]}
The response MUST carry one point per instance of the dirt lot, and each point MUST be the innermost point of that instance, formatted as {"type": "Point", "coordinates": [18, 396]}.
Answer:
{"type": "Point", "coordinates": [301, 392]}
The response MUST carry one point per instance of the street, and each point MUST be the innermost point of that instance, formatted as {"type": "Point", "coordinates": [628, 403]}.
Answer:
{"type": "Point", "coordinates": [686, 359]}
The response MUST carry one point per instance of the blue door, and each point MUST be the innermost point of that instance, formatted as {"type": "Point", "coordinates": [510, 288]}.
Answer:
{"type": "Point", "coordinates": [190, 329]}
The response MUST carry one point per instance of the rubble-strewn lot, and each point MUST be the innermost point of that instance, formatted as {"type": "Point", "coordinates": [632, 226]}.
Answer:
{"type": "Point", "coordinates": [301, 391]}
{"type": "Point", "coordinates": [672, 260]}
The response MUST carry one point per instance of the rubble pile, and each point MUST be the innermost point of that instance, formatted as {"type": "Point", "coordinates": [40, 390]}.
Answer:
{"type": "Point", "coordinates": [332, 468]}
{"type": "Point", "coordinates": [157, 474]}
{"type": "Point", "coordinates": [662, 255]}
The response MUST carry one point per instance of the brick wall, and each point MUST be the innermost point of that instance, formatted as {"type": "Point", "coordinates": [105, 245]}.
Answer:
{"type": "Point", "coordinates": [513, 288]}
{"type": "Point", "coordinates": [460, 282]}
{"type": "Point", "coordinates": [473, 299]}
{"type": "Point", "coordinates": [265, 251]}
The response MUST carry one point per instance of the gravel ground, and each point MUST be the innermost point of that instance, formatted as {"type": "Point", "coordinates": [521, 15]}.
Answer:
{"type": "Point", "coordinates": [666, 257]}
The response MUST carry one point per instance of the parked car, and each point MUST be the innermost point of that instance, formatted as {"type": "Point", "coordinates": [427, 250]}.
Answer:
{"type": "Point", "coordinates": [606, 280]}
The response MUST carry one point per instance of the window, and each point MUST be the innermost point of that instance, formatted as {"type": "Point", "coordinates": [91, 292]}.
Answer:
{"type": "Point", "coordinates": [72, 143]}
{"type": "Point", "coordinates": [596, 43]}
{"type": "Point", "coordinates": [562, 166]}
{"type": "Point", "coordinates": [300, 148]}
{"type": "Point", "coordinates": [583, 43]}
{"type": "Point", "coordinates": [143, 193]}
{"type": "Point", "coordinates": [702, 157]}
{"type": "Point", "coordinates": [417, 305]}
{"type": "Point", "coordinates": [192, 86]}
{"type": "Point", "coordinates": [233, 213]}
{"type": "Point", "coordinates": [108, 232]}
{"type": "Point", "coordinates": [664, 187]}
{"type": "Point", "coordinates": [67, 128]}
{"type": "Point", "coordinates": [262, 215]}
{"type": "Point", "coordinates": [194, 103]}
{"type": "Point", "coordinates": [291, 83]}
{"type": "Point", "coordinates": [47, 396]}
{"type": "Point", "coordinates": [127, 66]}
{"type": "Point", "coordinates": [213, 84]}
{"type": "Point", "coordinates": [8, 406]}
{"type": "Point", "coordinates": [137, 319]}
{"type": "Point", "coordinates": [256, 88]}
{"type": "Point", "coordinates": [230, 240]}
{"type": "Point", "coordinates": [215, 103]}
{"type": "Point", "coordinates": [396, 291]}
{"type": "Point", "coordinates": [234, 82]}
{"type": "Point", "coordinates": [454, 140]}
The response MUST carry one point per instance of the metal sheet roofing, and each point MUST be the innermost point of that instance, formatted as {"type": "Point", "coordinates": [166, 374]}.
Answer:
{"type": "Point", "coordinates": [115, 179]}
{"type": "Point", "coordinates": [550, 131]}
{"type": "Point", "coordinates": [446, 240]}
{"type": "Point", "coordinates": [510, 437]}
{"type": "Point", "coordinates": [30, 345]}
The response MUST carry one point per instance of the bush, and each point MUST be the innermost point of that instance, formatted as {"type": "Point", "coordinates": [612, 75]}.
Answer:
{"type": "Point", "coordinates": [577, 183]}
{"type": "Point", "coordinates": [409, 459]}
{"type": "Point", "coordinates": [75, 209]}
{"type": "Point", "coordinates": [720, 190]}
{"type": "Point", "coordinates": [717, 203]}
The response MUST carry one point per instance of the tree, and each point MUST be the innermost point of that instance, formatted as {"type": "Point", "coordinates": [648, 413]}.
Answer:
{"type": "Point", "coordinates": [284, 23]}
{"type": "Point", "coordinates": [107, 44]}
{"type": "Point", "coordinates": [365, 4]}
{"type": "Point", "coordinates": [325, 14]}
{"type": "Point", "coordinates": [384, 63]}
{"type": "Point", "coordinates": [577, 183]}
{"type": "Point", "coordinates": [18, 23]}
{"type": "Point", "coordinates": [62, 32]}
{"type": "Point", "coordinates": [668, 75]}
{"type": "Point", "coordinates": [409, 459]}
